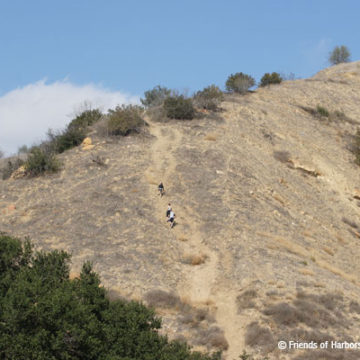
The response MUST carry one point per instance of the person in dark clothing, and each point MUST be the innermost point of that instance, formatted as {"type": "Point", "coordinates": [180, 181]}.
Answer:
{"type": "Point", "coordinates": [161, 189]}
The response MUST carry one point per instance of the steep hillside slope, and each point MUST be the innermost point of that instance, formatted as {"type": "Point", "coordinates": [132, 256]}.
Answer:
{"type": "Point", "coordinates": [266, 195]}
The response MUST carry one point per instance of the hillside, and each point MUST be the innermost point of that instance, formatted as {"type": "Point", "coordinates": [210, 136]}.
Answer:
{"type": "Point", "coordinates": [266, 195]}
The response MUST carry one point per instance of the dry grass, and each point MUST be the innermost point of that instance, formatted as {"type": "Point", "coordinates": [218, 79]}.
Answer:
{"type": "Point", "coordinates": [351, 223]}
{"type": "Point", "coordinates": [273, 294]}
{"type": "Point", "coordinates": [74, 275]}
{"type": "Point", "coordinates": [355, 233]}
{"type": "Point", "coordinates": [282, 156]}
{"type": "Point", "coordinates": [328, 251]}
{"type": "Point", "coordinates": [246, 300]}
{"type": "Point", "coordinates": [212, 337]}
{"type": "Point", "coordinates": [194, 317]}
{"type": "Point", "coordinates": [259, 337]}
{"type": "Point", "coordinates": [307, 272]}
{"type": "Point", "coordinates": [192, 259]}
{"type": "Point", "coordinates": [210, 137]}
{"type": "Point", "coordinates": [182, 238]}
{"type": "Point", "coordinates": [336, 271]}
{"type": "Point", "coordinates": [151, 179]}
{"type": "Point", "coordinates": [162, 299]}
{"type": "Point", "coordinates": [278, 198]}
{"type": "Point", "coordinates": [292, 247]}
{"type": "Point", "coordinates": [354, 307]}
{"type": "Point", "coordinates": [310, 309]}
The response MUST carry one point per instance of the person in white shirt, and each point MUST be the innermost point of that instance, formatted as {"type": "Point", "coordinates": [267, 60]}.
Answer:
{"type": "Point", "coordinates": [171, 218]}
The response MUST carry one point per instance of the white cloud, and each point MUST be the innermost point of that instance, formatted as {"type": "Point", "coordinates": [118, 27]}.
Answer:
{"type": "Point", "coordinates": [28, 112]}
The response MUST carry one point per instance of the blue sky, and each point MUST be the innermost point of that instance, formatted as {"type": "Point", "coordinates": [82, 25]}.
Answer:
{"type": "Point", "coordinates": [119, 49]}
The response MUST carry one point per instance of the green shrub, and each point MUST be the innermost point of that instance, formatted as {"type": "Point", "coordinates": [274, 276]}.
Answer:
{"type": "Point", "coordinates": [321, 111]}
{"type": "Point", "coordinates": [11, 166]}
{"type": "Point", "coordinates": [85, 119]}
{"type": "Point", "coordinates": [41, 160]}
{"type": "Point", "coordinates": [1, 154]}
{"type": "Point", "coordinates": [268, 79]}
{"type": "Point", "coordinates": [46, 315]}
{"type": "Point", "coordinates": [355, 148]}
{"type": "Point", "coordinates": [125, 119]}
{"type": "Point", "coordinates": [239, 83]}
{"type": "Point", "coordinates": [74, 133]}
{"type": "Point", "coordinates": [179, 107]}
{"type": "Point", "coordinates": [66, 139]}
{"type": "Point", "coordinates": [156, 96]}
{"type": "Point", "coordinates": [209, 98]}
{"type": "Point", "coordinates": [340, 54]}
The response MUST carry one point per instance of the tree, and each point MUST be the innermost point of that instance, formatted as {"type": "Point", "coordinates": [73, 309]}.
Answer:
{"type": "Point", "coordinates": [239, 83]}
{"type": "Point", "coordinates": [46, 315]}
{"type": "Point", "coordinates": [340, 54]}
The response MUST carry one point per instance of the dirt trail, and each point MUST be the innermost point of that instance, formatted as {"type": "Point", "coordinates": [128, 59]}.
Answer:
{"type": "Point", "coordinates": [200, 282]}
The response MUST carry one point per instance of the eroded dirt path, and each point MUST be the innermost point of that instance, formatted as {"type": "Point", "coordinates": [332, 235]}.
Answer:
{"type": "Point", "coordinates": [201, 283]}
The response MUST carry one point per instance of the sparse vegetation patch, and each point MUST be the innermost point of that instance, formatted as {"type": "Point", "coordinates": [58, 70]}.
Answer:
{"type": "Point", "coordinates": [194, 259]}
{"type": "Point", "coordinates": [355, 147]}
{"type": "Point", "coordinates": [246, 300]}
{"type": "Point", "coordinates": [11, 166]}
{"type": "Point", "coordinates": [260, 337]}
{"type": "Point", "coordinates": [155, 96]}
{"type": "Point", "coordinates": [209, 98]}
{"type": "Point", "coordinates": [85, 119]}
{"type": "Point", "coordinates": [125, 119]}
{"type": "Point", "coordinates": [283, 156]}
{"type": "Point", "coordinates": [41, 160]}
{"type": "Point", "coordinates": [65, 140]}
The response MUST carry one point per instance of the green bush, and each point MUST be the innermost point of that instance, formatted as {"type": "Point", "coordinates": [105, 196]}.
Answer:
{"type": "Point", "coordinates": [340, 54]}
{"type": "Point", "coordinates": [321, 111]}
{"type": "Point", "coordinates": [155, 96]}
{"type": "Point", "coordinates": [209, 98]}
{"type": "Point", "coordinates": [125, 119]}
{"type": "Point", "coordinates": [41, 160]}
{"type": "Point", "coordinates": [355, 147]}
{"type": "Point", "coordinates": [268, 79]}
{"type": "Point", "coordinates": [179, 107]}
{"type": "Point", "coordinates": [239, 83]}
{"type": "Point", "coordinates": [66, 139]}
{"type": "Point", "coordinates": [46, 315]}
{"type": "Point", "coordinates": [85, 119]}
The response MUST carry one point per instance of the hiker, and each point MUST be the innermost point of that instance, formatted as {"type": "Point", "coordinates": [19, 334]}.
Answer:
{"type": "Point", "coordinates": [168, 210]}
{"type": "Point", "coordinates": [171, 218]}
{"type": "Point", "coordinates": [161, 189]}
